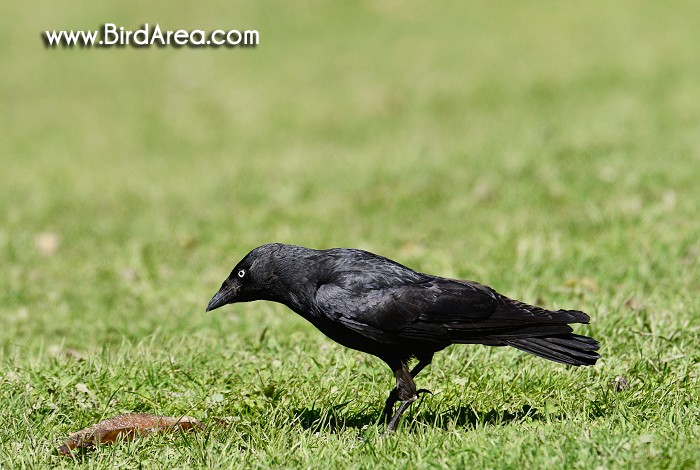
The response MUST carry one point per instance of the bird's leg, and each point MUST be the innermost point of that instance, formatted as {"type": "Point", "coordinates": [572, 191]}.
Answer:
{"type": "Point", "coordinates": [394, 397]}
{"type": "Point", "coordinates": [422, 364]}
{"type": "Point", "coordinates": [405, 392]}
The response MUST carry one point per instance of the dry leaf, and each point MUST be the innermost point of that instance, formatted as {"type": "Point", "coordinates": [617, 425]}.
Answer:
{"type": "Point", "coordinates": [187, 242]}
{"type": "Point", "coordinates": [634, 303]}
{"type": "Point", "coordinates": [620, 383]}
{"type": "Point", "coordinates": [582, 282]}
{"type": "Point", "coordinates": [74, 354]}
{"type": "Point", "coordinates": [126, 427]}
{"type": "Point", "coordinates": [410, 249]}
{"type": "Point", "coordinates": [82, 388]}
{"type": "Point", "coordinates": [129, 274]}
{"type": "Point", "coordinates": [70, 353]}
{"type": "Point", "coordinates": [47, 243]}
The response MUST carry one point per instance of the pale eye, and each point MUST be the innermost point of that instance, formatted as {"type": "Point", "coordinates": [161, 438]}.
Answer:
{"type": "Point", "coordinates": [241, 273]}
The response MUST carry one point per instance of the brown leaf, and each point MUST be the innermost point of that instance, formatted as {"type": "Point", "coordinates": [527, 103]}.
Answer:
{"type": "Point", "coordinates": [126, 427]}
{"type": "Point", "coordinates": [188, 242]}
{"type": "Point", "coordinates": [634, 303]}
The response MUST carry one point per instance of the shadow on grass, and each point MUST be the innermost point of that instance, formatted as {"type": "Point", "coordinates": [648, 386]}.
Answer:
{"type": "Point", "coordinates": [336, 419]}
{"type": "Point", "coordinates": [468, 417]}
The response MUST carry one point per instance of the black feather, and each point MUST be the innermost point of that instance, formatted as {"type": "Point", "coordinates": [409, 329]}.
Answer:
{"type": "Point", "coordinates": [376, 305]}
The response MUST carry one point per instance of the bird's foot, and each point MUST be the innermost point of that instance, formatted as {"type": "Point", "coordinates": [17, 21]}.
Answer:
{"type": "Point", "coordinates": [394, 422]}
{"type": "Point", "coordinates": [389, 408]}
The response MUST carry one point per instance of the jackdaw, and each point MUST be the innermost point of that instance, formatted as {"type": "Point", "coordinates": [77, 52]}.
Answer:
{"type": "Point", "coordinates": [375, 305]}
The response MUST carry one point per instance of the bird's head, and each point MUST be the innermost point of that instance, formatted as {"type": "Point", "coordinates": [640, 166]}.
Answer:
{"type": "Point", "coordinates": [253, 278]}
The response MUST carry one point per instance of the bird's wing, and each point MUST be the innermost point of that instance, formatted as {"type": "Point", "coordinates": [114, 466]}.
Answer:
{"type": "Point", "coordinates": [394, 310]}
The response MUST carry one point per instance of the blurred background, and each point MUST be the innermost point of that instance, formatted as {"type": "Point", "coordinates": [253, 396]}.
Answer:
{"type": "Point", "coordinates": [549, 149]}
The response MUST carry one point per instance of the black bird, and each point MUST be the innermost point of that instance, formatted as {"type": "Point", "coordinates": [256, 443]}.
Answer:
{"type": "Point", "coordinates": [378, 306]}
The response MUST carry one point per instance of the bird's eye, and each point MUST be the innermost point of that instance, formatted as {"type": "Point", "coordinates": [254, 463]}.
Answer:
{"type": "Point", "coordinates": [241, 273]}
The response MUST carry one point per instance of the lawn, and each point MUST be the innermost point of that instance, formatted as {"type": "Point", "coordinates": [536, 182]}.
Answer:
{"type": "Point", "coordinates": [550, 150]}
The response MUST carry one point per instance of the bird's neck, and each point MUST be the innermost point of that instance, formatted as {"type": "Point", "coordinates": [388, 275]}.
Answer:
{"type": "Point", "coordinates": [297, 289]}
{"type": "Point", "coordinates": [299, 297]}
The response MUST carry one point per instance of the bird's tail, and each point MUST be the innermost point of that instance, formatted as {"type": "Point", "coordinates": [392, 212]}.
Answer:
{"type": "Point", "coordinates": [535, 330]}
{"type": "Point", "coordinates": [571, 349]}
{"type": "Point", "coordinates": [549, 335]}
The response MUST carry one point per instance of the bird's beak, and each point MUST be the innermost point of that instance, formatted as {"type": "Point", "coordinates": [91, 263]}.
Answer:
{"type": "Point", "coordinates": [225, 295]}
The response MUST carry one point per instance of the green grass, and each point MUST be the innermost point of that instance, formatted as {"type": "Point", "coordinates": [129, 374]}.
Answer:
{"type": "Point", "coordinates": [550, 150]}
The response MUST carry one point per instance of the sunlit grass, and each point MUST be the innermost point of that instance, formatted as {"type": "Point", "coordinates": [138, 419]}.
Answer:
{"type": "Point", "coordinates": [550, 151]}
